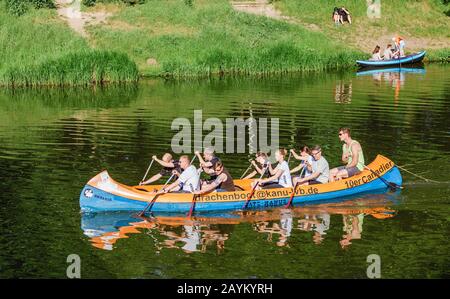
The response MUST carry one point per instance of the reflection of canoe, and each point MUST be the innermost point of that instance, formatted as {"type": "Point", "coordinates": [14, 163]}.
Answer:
{"type": "Point", "coordinates": [413, 58]}
{"type": "Point", "coordinates": [391, 70]}
{"type": "Point", "coordinates": [102, 193]}
{"type": "Point", "coordinates": [104, 229]}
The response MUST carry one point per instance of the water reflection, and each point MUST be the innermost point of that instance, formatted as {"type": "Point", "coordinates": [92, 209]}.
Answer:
{"type": "Point", "coordinates": [211, 231]}
{"type": "Point", "coordinates": [343, 92]}
{"type": "Point", "coordinates": [393, 77]}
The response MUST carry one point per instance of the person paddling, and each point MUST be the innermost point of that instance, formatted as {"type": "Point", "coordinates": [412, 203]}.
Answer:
{"type": "Point", "coordinates": [305, 158]}
{"type": "Point", "coordinates": [208, 162]}
{"type": "Point", "coordinates": [223, 182]}
{"type": "Point", "coordinates": [280, 176]}
{"type": "Point", "coordinates": [187, 181]}
{"type": "Point", "coordinates": [168, 164]}
{"type": "Point", "coordinates": [352, 154]}
{"type": "Point", "coordinates": [260, 164]}
{"type": "Point", "coordinates": [319, 169]}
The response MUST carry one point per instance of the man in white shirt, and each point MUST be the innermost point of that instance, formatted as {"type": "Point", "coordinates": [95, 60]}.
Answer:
{"type": "Point", "coordinates": [187, 181]}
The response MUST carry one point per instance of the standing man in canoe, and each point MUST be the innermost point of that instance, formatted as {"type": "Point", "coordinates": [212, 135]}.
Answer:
{"type": "Point", "coordinates": [188, 179]}
{"type": "Point", "coordinates": [352, 154]}
{"type": "Point", "coordinates": [208, 162]}
{"type": "Point", "coordinates": [223, 182]}
{"type": "Point", "coordinates": [168, 164]}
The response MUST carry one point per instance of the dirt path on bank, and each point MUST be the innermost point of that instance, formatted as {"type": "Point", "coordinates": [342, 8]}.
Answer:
{"type": "Point", "coordinates": [70, 11]}
{"type": "Point", "coordinates": [264, 8]}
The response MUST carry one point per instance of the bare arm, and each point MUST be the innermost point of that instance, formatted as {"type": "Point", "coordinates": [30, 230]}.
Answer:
{"type": "Point", "coordinates": [210, 187]}
{"type": "Point", "coordinates": [298, 168]}
{"type": "Point", "coordinates": [250, 175]}
{"type": "Point", "coordinates": [152, 179]}
{"type": "Point", "coordinates": [165, 164]}
{"type": "Point", "coordinates": [296, 156]}
{"type": "Point", "coordinates": [274, 177]}
{"type": "Point", "coordinates": [310, 177]}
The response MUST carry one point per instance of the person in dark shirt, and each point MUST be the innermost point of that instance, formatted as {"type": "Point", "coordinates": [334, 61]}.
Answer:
{"type": "Point", "coordinates": [168, 164]}
{"type": "Point", "coordinates": [222, 183]}
{"type": "Point", "coordinates": [208, 162]}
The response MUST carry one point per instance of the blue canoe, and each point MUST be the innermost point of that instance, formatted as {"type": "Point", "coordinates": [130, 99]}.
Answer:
{"type": "Point", "coordinates": [102, 193]}
{"type": "Point", "coordinates": [410, 59]}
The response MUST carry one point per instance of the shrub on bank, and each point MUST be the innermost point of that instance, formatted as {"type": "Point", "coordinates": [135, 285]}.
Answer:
{"type": "Point", "coordinates": [89, 67]}
{"type": "Point", "coordinates": [20, 7]}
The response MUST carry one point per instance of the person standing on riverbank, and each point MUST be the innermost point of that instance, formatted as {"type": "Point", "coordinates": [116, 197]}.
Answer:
{"type": "Point", "coordinates": [352, 154]}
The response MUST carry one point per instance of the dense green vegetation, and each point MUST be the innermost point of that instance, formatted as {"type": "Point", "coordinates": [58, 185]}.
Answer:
{"type": "Point", "coordinates": [424, 24]}
{"type": "Point", "coordinates": [200, 38]}
{"type": "Point", "coordinates": [210, 37]}
{"type": "Point", "coordinates": [39, 48]}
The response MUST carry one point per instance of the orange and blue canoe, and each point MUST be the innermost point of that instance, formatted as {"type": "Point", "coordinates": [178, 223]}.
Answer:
{"type": "Point", "coordinates": [102, 193]}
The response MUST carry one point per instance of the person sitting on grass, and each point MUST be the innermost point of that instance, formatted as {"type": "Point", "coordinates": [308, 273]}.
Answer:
{"type": "Point", "coordinates": [344, 15]}
{"type": "Point", "coordinates": [222, 183]}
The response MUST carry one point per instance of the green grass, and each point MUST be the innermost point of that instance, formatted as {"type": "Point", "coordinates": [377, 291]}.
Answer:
{"type": "Point", "coordinates": [40, 49]}
{"type": "Point", "coordinates": [423, 24]}
{"type": "Point", "coordinates": [212, 38]}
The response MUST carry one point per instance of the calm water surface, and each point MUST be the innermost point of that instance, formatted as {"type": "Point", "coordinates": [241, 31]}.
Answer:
{"type": "Point", "coordinates": [52, 141]}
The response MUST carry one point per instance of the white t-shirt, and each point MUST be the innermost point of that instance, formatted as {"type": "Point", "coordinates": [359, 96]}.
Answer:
{"type": "Point", "coordinates": [285, 178]}
{"type": "Point", "coordinates": [189, 177]}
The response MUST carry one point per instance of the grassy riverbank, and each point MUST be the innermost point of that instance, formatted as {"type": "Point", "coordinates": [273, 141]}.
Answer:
{"type": "Point", "coordinates": [39, 49]}
{"type": "Point", "coordinates": [170, 38]}
{"type": "Point", "coordinates": [211, 38]}
{"type": "Point", "coordinates": [423, 24]}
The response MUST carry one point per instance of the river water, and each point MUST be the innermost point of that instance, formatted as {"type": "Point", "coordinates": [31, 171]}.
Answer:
{"type": "Point", "coordinates": [54, 140]}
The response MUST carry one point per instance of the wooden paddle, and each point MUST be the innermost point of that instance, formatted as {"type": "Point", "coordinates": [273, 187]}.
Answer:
{"type": "Point", "coordinates": [148, 169]}
{"type": "Point", "coordinates": [254, 188]}
{"type": "Point", "coordinates": [392, 186]}
{"type": "Point", "coordinates": [295, 188]}
{"type": "Point", "coordinates": [150, 205]}
{"type": "Point", "coordinates": [247, 169]}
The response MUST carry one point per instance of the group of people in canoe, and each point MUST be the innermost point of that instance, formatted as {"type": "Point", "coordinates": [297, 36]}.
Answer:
{"type": "Point", "coordinates": [313, 168]}
{"type": "Point", "coordinates": [395, 50]}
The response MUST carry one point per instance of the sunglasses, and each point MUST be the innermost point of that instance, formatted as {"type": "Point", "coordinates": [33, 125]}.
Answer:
{"type": "Point", "coordinates": [340, 134]}
{"type": "Point", "coordinates": [316, 153]}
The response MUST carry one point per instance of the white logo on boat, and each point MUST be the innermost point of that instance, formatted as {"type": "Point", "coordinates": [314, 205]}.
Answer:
{"type": "Point", "coordinates": [88, 193]}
